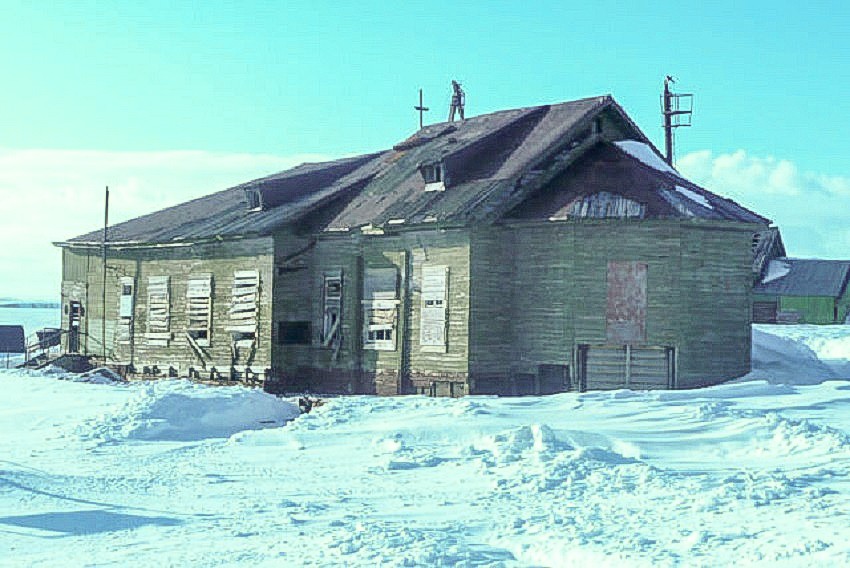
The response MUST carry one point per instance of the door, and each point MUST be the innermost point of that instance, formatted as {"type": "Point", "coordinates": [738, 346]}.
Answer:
{"type": "Point", "coordinates": [75, 313]}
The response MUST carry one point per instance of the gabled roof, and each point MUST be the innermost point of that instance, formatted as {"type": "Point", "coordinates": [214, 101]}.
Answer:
{"type": "Point", "coordinates": [491, 163]}
{"type": "Point", "coordinates": [805, 277]}
{"type": "Point", "coordinates": [767, 245]}
{"type": "Point", "coordinates": [627, 179]}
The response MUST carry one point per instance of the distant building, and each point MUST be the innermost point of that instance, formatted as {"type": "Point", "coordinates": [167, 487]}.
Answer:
{"type": "Point", "coordinates": [795, 290]}
{"type": "Point", "coordinates": [533, 250]}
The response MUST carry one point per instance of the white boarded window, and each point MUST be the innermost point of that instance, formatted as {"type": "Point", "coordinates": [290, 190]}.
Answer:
{"type": "Point", "coordinates": [432, 334]}
{"type": "Point", "coordinates": [331, 308]}
{"type": "Point", "coordinates": [159, 311]}
{"type": "Point", "coordinates": [199, 308]}
{"type": "Point", "coordinates": [127, 291]}
{"type": "Point", "coordinates": [244, 296]}
{"type": "Point", "coordinates": [380, 308]}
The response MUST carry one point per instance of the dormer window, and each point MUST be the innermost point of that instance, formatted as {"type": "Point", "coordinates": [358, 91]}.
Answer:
{"type": "Point", "coordinates": [433, 173]}
{"type": "Point", "coordinates": [433, 176]}
{"type": "Point", "coordinates": [254, 199]}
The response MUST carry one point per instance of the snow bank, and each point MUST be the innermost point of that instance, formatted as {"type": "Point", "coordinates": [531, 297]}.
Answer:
{"type": "Point", "coordinates": [178, 410]}
{"type": "Point", "coordinates": [782, 360]}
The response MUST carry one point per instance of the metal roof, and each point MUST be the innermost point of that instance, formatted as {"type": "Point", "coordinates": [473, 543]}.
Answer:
{"type": "Point", "coordinates": [490, 162]}
{"type": "Point", "coordinates": [805, 277]}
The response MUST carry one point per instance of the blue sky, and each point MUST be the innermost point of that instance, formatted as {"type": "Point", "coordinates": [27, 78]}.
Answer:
{"type": "Point", "coordinates": [143, 80]}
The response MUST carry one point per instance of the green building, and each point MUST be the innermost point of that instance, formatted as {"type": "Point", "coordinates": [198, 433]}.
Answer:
{"type": "Point", "coordinates": [794, 290]}
{"type": "Point", "coordinates": [533, 250]}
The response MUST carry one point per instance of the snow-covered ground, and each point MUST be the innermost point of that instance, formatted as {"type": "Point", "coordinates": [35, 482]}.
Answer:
{"type": "Point", "coordinates": [175, 474]}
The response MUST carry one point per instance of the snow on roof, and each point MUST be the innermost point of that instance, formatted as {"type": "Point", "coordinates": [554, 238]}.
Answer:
{"type": "Point", "coordinates": [776, 269]}
{"type": "Point", "coordinates": [645, 154]}
{"type": "Point", "coordinates": [694, 196]}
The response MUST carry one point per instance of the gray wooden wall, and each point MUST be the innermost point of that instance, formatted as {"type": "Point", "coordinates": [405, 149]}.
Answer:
{"type": "Point", "coordinates": [83, 280]}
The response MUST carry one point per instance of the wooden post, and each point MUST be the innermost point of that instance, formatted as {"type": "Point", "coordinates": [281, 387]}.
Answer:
{"type": "Point", "coordinates": [103, 314]}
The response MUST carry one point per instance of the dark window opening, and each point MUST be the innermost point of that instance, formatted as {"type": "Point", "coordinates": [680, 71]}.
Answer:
{"type": "Point", "coordinates": [253, 199]}
{"type": "Point", "coordinates": [293, 332]}
{"type": "Point", "coordinates": [432, 173]}
{"type": "Point", "coordinates": [197, 334]}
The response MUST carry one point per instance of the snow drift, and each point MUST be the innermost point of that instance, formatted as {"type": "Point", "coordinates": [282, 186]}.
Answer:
{"type": "Point", "coordinates": [178, 410]}
{"type": "Point", "coordinates": [171, 473]}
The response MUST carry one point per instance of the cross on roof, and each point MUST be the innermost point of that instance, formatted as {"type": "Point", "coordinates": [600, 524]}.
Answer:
{"type": "Point", "coordinates": [421, 108]}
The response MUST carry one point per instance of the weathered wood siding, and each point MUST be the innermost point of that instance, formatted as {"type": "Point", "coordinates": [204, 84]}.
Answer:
{"type": "Point", "coordinates": [716, 282]}
{"type": "Point", "coordinates": [348, 367]}
{"type": "Point", "coordinates": [697, 297]}
{"type": "Point", "coordinates": [221, 260]}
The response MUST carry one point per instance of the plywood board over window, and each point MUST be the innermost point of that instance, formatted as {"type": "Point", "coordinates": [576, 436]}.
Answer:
{"type": "Point", "coordinates": [159, 312]}
{"type": "Point", "coordinates": [124, 330]}
{"type": "Point", "coordinates": [626, 313]}
{"type": "Point", "coordinates": [380, 308]}
{"type": "Point", "coordinates": [243, 307]}
{"type": "Point", "coordinates": [331, 335]}
{"type": "Point", "coordinates": [432, 336]}
{"type": "Point", "coordinates": [199, 308]}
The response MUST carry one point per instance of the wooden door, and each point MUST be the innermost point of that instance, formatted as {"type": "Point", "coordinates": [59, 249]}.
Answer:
{"type": "Point", "coordinates": [75, 310]}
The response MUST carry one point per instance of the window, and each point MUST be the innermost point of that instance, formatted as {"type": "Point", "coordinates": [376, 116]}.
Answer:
{"type": "Point", "coordinates": [254, 199]}
{"type": "Point", "coordinates": [380, 308]}
{"type": "Point", "coordinates": [199, 309]}
{"type": "Point", "coordinates": [243, 307]}
{"type": "Point", "coordinates": [158, 331]}
{"type": "Point", "coordinates": [124, 330]}
{"type": "Point", "coordinates": [293, 332]}
{"type": "Point", "coordinates": [432, 173]}
{"type": "Point", "coordinates": [331, 308]}
{"type": "Point", "coordinates": [432, 335]}
{"type": "Point", "coordinates": [125, 309]}
{"type": "Point", "coordinates": [433, 176]}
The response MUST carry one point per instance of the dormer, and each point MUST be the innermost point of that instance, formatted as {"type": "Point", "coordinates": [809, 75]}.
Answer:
{"type": "Point", "coordinates": [253, 199]}
{"type": "Point", "coordinates": [434, 176]}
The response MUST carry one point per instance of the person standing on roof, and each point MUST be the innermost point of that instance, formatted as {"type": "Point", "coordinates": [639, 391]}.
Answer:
{"type": "Point", "coordinates": [458, 101]}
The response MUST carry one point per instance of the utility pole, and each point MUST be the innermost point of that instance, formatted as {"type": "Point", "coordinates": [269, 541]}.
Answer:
{"type": "Point", "coordinates": [421, 108]}
{"type": "Point", "coordinates": [103, 312]}
{"type": "Point", "coordinates": [676, 109]}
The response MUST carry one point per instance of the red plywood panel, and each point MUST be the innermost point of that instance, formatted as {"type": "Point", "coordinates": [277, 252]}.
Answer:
{"type": "Point", "coordinates": [625, 317]}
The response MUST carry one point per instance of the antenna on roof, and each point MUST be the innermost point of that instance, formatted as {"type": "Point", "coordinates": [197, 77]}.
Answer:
{"type": "Point", "coordinates": [458, 101]}
{"type": "Point", "coordinates": [421, 108]}
{"type": "Point", "coordinates": [677, 109]}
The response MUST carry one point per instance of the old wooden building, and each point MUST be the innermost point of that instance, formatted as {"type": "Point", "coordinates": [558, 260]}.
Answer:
{"type": "Point", "coordinates": [532, 250]}
{"type": "Point", "coordinates": [797, 290]}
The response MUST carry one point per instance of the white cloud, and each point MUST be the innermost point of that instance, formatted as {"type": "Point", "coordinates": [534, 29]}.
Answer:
{"type": "Point", "coordinates": [812, 210]}
{"type": "Point", "coordinates": [53, 195]}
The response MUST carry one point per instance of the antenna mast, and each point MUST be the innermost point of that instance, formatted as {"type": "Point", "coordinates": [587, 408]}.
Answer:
{"type": "Point", "coordinates": [677, 109]}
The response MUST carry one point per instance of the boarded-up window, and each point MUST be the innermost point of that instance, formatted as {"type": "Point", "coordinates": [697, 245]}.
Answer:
{"type": "Point", "coordinates": [243, 307]}
{"type": "Point", "coordinates": [199, 308]}
{"type": "Point", "coordinates": [432, 336]}
{"type": "Point", "coordinates": [159, 311]}
{"type": "Point", "coordinates": [380, 308]}
{"type": "Point", "coordinates": [626, 313]}
{"type": "Point", "coordinates": [124, 330]}
{"type": "Point", "coordinates": [331, 309]}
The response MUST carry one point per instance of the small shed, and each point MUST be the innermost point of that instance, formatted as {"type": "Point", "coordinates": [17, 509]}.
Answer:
{"type": "Point", "coordinates": [12, 339]}
{"type": "Point", "coordinates": [794, 290]}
